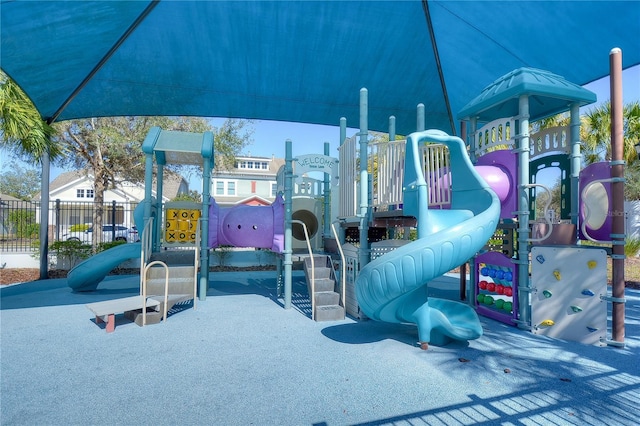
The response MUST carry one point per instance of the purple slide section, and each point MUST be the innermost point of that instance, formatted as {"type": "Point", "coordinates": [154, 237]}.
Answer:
{"type": "Point", "coordinates": [502, 178]}
{"type": "Point", "coordinates": [247, 226]}
{"type": "Point", "coordinates": [596, 171]}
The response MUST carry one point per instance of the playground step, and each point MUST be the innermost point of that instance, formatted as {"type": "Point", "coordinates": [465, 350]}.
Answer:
{"type": "Point", "coordinates": [181, 279]}
{"type": "Point", "coordinates": [324, 284]}
{"type": "Point", "coordinates": [321, 272]}
{"type": "Point", "coordinates": [153, 317]}
{"type": "Point", "coordinates": [174, 257]}
{"type": "Point", "coordinates": [329, 313]}
{"type": "Point", "coordinates": [327, 298]}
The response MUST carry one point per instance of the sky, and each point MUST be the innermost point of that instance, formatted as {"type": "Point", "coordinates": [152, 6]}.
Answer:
{"type": "Point", "coordinates": [269, 136]}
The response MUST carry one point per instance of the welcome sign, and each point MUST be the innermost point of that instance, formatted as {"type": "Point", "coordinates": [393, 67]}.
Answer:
{"type": "Point", "coordinates": [316, 163]}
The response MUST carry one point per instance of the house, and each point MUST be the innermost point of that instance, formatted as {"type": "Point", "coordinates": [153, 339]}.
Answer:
{"type": "Point", "coordinates": [251, 182]}
{"type": "Point", "coordinates": [71, 197]}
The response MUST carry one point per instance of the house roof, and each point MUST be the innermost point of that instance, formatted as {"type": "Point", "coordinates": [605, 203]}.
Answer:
{"type": "Point", "coordinates": [170, 189]}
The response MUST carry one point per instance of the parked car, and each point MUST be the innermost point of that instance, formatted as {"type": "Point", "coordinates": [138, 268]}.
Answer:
{"type": "Point", "coordinates": [122, 233]}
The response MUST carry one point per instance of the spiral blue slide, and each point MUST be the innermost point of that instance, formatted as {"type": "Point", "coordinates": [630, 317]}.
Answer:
{"type": "Point", "coordinates": [393, 288]}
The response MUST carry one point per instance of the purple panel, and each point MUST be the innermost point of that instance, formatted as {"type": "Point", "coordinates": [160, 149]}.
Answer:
{"type": "Point", "coordinates": [498, 264]}
{"type": "Point", "coordinates": [589, 174]}
{"type": "Point", "coordinates": [247, 226]}
{"type": "Point", "coordinates": [506, 161]}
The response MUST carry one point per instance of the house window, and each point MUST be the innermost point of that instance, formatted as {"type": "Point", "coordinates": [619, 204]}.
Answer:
{"type": "Point", "coordinates": [79, 193]}
{"type": "Point", "coordinates": [253, 165]}
{"type": "Point", "coordinates": [274, 189]}
{"type": "Point", "coordinates": [89, 193]}
{"type": "Point", "coordinates": [253, 186]}
{"type": "Point", "coordinates": [220, 187]}
{"type": "Point", "coordinates": [225, 187]}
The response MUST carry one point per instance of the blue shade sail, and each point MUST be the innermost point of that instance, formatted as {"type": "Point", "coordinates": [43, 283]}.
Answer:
{"type": "Point", "coordinates": [300, 61]}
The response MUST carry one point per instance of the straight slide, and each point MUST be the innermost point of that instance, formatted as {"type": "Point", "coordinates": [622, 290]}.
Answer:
{"type": "Point", "coordinates": [86, 275]}
{"type": "Point", "coordinates": [394, 287]}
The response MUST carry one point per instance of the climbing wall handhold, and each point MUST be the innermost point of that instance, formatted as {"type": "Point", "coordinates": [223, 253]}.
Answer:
{"type": "Point", "coordinates": [592, 264]}
{"type": "Point", "coordinates": [547, 293]}
{"type": "Point", "coordinates": [547, 323]}
{"type": "Point", "coordinates": [588, 292]}
{"type": "Point", "coordinates": [575, 308]}
{"type": "Point", "coordinates": [556, 274]}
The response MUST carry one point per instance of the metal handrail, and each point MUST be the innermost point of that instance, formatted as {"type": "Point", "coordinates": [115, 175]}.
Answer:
{"type": "Point", "coordinates": [196, 263]}
{"type": "Point", "coordinates": [145, 248]}
{"type": "Point", "coordinates": [313, 268]}
{"type": "Point", "coordinates": [144, 290]}
{"type": "Point", "coordinates": [343, 267]}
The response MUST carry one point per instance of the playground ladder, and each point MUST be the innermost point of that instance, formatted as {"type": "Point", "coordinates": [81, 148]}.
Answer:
{"type": "Point", "coordinates": [165, 283]}
{"type": "Point", "coordinates": [321, 284]}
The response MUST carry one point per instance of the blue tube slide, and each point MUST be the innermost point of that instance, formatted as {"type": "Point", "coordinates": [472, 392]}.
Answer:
{"type": "Point", "coordinates": [86, 275]}
{"type": "Point", "coordinates": [393, 288]}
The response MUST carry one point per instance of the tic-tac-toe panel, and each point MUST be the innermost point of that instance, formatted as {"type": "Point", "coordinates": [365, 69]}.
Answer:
{"type": "Point", "coordinates": [567, 287]}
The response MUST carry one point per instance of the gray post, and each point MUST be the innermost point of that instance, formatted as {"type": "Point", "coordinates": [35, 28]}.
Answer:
{"type": "Point", "coordinates": [364, 179]}
{"type": "Point", "coordinates": [523, 212]}
{"type": "Point", "coordinates": [420, 120]}
{"type": "Point", "coordinates": [207, 166]}
{"type": "Point", "coordinates": [288, 194]}
{"type": "Point", "coordinates": [44, 217]}
{"type": "Point", "coordinates": [575, 158]}
{"type": "Point", "coordinates": [327, 199]}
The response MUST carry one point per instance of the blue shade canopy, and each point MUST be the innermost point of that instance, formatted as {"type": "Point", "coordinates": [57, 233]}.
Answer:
{"type": "Point", "coordinates": [549, 94]}
{"type": "Point", "coordinates": [301, 61]}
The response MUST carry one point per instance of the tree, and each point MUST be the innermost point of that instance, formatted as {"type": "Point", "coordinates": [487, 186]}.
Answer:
{"type": "Point", "coordinates": [109, 149]}
{"type": "Point", "coordinates": [597, 139]}
{"type": "Point", "coordinates": [23, 133]}
{"type": "Point", "coordinates": [597, 142]}
{"type": "Point", "coordinates": [20, 183]}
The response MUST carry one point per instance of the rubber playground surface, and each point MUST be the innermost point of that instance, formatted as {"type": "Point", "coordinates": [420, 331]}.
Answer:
{"type": "Point", "coordinates": [241, 359]}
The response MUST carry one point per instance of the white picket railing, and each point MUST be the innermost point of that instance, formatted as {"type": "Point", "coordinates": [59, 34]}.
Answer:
{"type": "Point", "coordinates": [386, 170]}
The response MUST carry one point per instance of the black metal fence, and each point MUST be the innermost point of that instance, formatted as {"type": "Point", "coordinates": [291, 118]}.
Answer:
{"type": "Point", "coordinates": [20, 221]}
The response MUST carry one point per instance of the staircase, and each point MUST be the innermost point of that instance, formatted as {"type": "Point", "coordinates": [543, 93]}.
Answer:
{"type": "Point", "coordinates": [321, 284]}
{"type": "Point", "coordinates": [169, 277]}
{"type": "Point", "coordinates": [181, 288]}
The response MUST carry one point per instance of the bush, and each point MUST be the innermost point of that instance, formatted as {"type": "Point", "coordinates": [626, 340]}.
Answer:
{"type": "Point", "coordinates": [631, 247]}
{"type": "Point", "coordinates": [71, 252]}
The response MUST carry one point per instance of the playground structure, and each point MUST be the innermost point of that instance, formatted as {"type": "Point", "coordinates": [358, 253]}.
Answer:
{"type": "Point", "coordinates": [476, 207]}
{"type": "Point", "coordinates": [561, 292]}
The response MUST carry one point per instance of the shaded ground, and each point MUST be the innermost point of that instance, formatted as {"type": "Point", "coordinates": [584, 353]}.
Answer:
{"type": "Point", "coordinates": [19, 275]}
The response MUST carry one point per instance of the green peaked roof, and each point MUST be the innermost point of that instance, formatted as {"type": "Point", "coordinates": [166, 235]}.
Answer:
{"type": "Point", "coordinates": [548, 93]}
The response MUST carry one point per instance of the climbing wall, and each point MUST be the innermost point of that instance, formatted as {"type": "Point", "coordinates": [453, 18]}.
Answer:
{"type": "Point", "coordinates": [568, 284]}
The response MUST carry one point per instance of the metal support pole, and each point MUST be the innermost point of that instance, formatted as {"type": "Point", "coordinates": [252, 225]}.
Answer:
{"type": "Point", "coordinates": [205, 253]}
{"type": "Point", "coordinates": [364, 179]}
{"type": "Point", "coordinates": [44, 217]}
{"type": "Point", "coordinates": [326, 229]}
{"type": "Point", "coordinates": [575, 158]}
{"type": "Point", "coordinates": [342, 187]}
{"type": "Point", "coordinates": [288, 193]}
{"type": "Point", "coordinates": [617, 194]}
{"type": "Point", "coordinates": [524, 305]}
{"type": "Point", "coordinates": [420, 120]}
{"type": "Point", "coordinates": [159, 191]}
